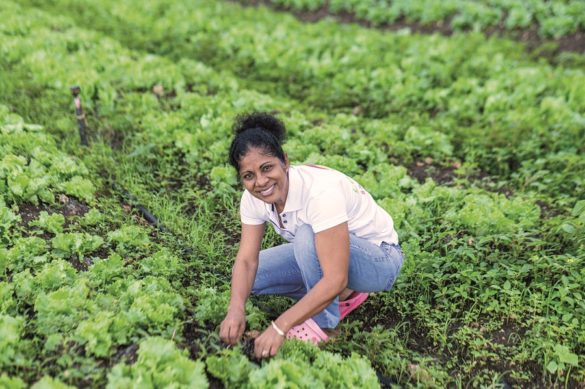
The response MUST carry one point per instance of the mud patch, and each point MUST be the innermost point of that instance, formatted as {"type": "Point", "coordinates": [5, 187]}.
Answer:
{"type": "Point", "coordinates": [508, 335]}
{"type": "Point", "coordinates": [71, 206]}
{"type": "Point", "coordinates": [546, 210]}
{"type": "Point", "coordinates": [423, 169]}
{"type": "Point", "coordinates": [115, 137]}
{"type": "Point", "coordinates": [126, 354]}
{"type": "Point", "coordinates": [30, 212]}
{"type": "Point", "coordinates": [198, 340]}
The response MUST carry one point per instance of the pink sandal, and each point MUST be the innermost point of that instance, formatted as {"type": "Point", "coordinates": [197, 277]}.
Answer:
{"type": "Point", "coordinates": [355, 299]}
{"type": "Point", "coordinates": [309, 331]}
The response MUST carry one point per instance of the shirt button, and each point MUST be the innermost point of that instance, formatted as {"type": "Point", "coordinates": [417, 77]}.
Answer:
{"type": "Point", "coordinates": [284, 221]}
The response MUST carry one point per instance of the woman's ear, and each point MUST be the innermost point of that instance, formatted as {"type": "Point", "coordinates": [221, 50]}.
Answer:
{"type": "Point", "coordinates": [286, 163]}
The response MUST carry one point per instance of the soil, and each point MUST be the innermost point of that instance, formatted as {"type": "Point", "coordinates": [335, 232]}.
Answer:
{"type": "Point", "coordinates": [547, 211]}
{"type": "Point", "coordinates": [115, 137]}
{"type": "Point", "coordinates": [195, 336]}
{"type": "Point", "coordinates": [505, 335]}
{"type": "Point", "coordinates": [529, 36]}
{"type": "Point", "coordinates": [72, 207]}
{"type": "Point", "coordinates": [29, 212]}
{"type": "Point", "coordinates": [127, 354]}
{"type": "Point", "coordinates": [423, 169]}
{"type": "Point", "coordinates": [68, 207]}
{"type": "Point", "coordinates": [80, 266]}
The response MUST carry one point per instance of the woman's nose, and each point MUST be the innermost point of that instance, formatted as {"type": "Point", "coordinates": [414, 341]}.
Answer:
{"type": "Point", "coordinates": [261, 180]}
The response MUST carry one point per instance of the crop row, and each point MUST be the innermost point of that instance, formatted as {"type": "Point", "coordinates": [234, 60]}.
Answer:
{"type": "Point", "coordinates": [106, 305]}
{"type": "Point", "coordinates": [75, 294]}
{"type": "Point", "coordinates": [474, 254]}
{"type": "Point", "coordinates": [462, 97]}
{"type": "Point", "coordinates": [552, 18]}
{"type": "Point", "coordinates": [81, 287]}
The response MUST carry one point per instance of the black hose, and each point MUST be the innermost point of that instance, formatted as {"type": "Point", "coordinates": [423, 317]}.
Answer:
{"type": "Point", "coordinates": [144, 212]}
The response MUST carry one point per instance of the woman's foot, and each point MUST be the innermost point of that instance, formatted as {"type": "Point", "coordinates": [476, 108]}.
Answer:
{"type": "Point", "coordinates": [345, 294]}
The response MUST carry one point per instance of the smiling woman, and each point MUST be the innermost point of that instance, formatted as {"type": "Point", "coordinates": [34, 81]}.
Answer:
{"type": "Point", "coordinates": [342, 244]}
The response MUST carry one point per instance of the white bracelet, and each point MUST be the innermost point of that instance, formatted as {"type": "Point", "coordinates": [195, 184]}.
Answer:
{"type": "Point", "coordinates": [278, 330]}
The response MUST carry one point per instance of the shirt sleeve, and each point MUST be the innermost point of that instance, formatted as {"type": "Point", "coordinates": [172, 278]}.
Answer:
{"type": "Point", "coordinates": [327, 209]}
{"type": "Point", "coordinates": [250, 212]}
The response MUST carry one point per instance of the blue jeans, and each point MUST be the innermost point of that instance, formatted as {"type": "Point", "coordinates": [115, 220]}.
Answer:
{"type": "Point", "coordinates": [292, 269]}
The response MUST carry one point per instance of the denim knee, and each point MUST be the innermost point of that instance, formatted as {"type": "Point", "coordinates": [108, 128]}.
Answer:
{"type": "Point", "coordinates": [304, 244]}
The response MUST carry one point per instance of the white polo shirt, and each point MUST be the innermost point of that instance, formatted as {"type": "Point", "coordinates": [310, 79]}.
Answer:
{"type": "Point", "coordinates": [322, 198]}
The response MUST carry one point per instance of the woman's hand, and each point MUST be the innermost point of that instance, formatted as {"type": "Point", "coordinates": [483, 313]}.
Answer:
{"type": "Point", "coordinates": [268, 343]}
{"type": "Point", "coordinates": [233, 326]}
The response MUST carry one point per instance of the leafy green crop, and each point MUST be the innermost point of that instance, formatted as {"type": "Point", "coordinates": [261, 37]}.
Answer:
{"type": "Point", "coordinates": [212, 305]}
{"type": "Point", "coordinates": [159, 364]}
{"type": "Point", "coordinates": [51, 223]}
{"type": "Point", "coordinates": [7, 220]}
{"type": "Point", "coordinates": [74, 243]}
{"type": "Point", "coordinates": [162, 264]}
{"type": "Point", "coordinates": [298, 365]}
{"type": "Point", "coordinates": [6, 382]}
{"type": "Point", "coordinates": [95, 332]}
{"type": "Point", "coordinates": [128, 238]}
{"type": "Point", "coordinates": [231, 367]}
{"type": "Point", "coordinates": [48, 382]}
{"type": "Point", "coordinates": [32, 168]}
{"type": "Point", "coordinates": [10, 332]}
{"type": "Point", "coordinates": [27, 253]}
{"type": "Point", "coordinates": [554, 18]}
{"type": "Point", "coordinates": [491, 285]}
{"type": "Point", "coordinates": [484, 215]}
{"type": "Point", "coordinates": [62, 310]}
{"type": "Point", "coordinates": [322, 369]}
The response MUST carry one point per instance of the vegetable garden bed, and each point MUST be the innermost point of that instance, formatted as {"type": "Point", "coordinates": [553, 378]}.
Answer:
{"type": "Point", "coordinates": [476, 151]}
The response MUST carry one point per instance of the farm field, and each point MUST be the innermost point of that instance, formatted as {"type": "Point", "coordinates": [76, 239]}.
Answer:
{"type": "Point", "coordinates": [475, 148]}
{"type": "Point", "coordinates": [553, 19]}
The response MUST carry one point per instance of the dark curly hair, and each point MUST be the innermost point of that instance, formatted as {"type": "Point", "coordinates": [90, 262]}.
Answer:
{"type": "Point", "coordinates": [260, 130]}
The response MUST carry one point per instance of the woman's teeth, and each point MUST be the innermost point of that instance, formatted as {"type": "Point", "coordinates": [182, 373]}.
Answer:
{"type": "Point", "coordinates": [268, 191]}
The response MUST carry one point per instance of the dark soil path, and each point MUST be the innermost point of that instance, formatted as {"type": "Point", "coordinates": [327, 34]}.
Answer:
{"type": "Point", "coordinates": [534, 43]}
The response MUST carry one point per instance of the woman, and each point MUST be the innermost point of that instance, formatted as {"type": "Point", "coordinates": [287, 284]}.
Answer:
{"type": "Point", "coordinates": [342, 244]}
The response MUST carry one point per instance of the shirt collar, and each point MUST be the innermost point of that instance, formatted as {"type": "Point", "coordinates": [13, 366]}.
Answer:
{"type": "Point", "coordinates": [295, 191]}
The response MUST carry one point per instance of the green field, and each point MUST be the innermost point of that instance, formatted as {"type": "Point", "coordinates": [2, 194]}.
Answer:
{"type": "Point", "coordinates": [555, 18]}
{"type": "Point", "coordinates": [475, 148]}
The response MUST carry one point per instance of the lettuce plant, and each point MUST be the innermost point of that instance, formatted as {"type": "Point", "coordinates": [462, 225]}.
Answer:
{"type": "Point", "coordinates": [160, 364]}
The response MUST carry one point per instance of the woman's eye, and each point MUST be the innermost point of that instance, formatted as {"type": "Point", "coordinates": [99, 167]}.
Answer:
{"type": "Point", "coordinates": [247, 177]}
{"type": "Point", "coordinates": [266, 168]}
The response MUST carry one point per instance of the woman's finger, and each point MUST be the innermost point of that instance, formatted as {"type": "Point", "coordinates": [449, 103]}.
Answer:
{"type": "Point", "coordinates": [234, 332]}
{"type": "Point", "coordinates": [226, 332]}
{"type": "Point", "coordinates": [223, 333]}
{"type": "Point", "coordinates": [260, 347]}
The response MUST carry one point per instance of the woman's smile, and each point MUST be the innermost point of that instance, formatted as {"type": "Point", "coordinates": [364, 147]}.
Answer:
{"type": "Point", "coordinates": [268, 191]}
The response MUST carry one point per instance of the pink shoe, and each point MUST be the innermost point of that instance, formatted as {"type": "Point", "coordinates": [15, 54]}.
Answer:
{"type": "Point", "coordinates": [354, 301]}
{"type": "Point", "coordinates": [309, 331]}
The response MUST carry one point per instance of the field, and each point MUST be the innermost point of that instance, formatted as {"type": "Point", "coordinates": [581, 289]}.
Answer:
{"type": "Point", "coordinates": [473, 141]}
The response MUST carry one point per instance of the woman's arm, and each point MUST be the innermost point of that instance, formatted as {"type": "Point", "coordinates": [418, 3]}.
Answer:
{"type": "Point", "coordinates": [243, 275]}
{"type": "Point", "coordinates": [333, 252]}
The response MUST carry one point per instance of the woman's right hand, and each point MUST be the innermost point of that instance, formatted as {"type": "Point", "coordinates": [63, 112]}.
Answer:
{"type": "Point", "coordinates": [233, 326]}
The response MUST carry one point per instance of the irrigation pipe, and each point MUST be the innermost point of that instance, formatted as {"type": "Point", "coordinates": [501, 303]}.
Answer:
{"type": "Point", "coordinates": [81, 120]}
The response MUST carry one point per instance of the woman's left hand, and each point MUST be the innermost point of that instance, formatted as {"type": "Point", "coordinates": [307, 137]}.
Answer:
{"type": "Point", "coordinates": [268, 343]}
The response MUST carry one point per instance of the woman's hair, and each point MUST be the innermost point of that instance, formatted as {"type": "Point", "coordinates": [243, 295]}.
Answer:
{"type": "Point", "coordinates": [260, 130]}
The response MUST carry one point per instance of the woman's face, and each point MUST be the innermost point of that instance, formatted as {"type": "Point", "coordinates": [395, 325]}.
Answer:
{"type": "Point", "coordinates": [265, 177]}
